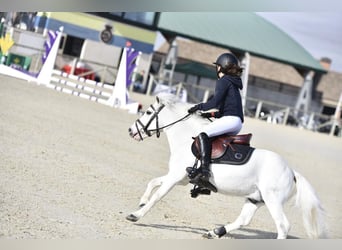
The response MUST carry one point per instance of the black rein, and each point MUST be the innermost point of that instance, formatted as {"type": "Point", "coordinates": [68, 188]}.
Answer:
{"type": "Point", "coordinates": [157, 129]}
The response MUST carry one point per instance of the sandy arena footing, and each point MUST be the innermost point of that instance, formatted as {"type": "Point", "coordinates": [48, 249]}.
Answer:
{"type": "Point", "coordinates": [68, 169]}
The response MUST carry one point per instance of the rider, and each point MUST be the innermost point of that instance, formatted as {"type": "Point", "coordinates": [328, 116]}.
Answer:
{"type": "Point", "coordinates": [227, 100]}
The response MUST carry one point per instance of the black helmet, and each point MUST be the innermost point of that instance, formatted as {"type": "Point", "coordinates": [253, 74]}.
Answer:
{"type": "Point", "coordinates": [225, 59]}
{"type": "Point", "coordinates": [228, 61]}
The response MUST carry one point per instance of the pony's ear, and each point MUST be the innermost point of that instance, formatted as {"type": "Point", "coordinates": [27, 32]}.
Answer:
{"type": "Point", "coordinates": [157, 99]}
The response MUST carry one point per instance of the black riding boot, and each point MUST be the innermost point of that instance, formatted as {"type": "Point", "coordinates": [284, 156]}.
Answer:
{"type": "Point", "coordinates": [203, 174]}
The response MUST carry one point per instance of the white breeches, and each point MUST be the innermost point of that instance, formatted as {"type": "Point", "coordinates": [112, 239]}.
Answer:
{"type": "Point", "coordinates": [224, 125]}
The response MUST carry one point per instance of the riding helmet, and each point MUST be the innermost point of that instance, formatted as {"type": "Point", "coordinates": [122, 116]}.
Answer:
{"type": "Point", "coordinates": [226, 59]}
{"type": "Point", "coordinates": [229, 65]}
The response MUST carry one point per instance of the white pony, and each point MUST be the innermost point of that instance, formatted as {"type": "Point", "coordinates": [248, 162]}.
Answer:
{"type": "Point", "coordinates": [264, 180]}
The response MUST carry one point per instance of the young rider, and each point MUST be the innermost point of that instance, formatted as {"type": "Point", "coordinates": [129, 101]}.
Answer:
{"type": "Point", "coordinates": [227, 100]}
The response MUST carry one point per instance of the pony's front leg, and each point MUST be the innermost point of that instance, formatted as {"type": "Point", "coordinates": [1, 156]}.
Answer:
{"type": "Point", "coordinates": [165, 187]}
{"type": "Point", "coordinates": [155, 182]}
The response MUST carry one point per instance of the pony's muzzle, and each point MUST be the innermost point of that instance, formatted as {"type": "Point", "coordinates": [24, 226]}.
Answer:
{"type": "Point", "coordinates": [131, 133]}
{"type": "Point", "coordinates": [134, 135]}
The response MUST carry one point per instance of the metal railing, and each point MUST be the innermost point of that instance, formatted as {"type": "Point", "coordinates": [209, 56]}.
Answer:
{"type": "Point", "coordinates": [260, 109]}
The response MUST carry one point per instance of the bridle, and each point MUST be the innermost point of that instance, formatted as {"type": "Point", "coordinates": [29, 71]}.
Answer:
{"type": "Point", "coordinates": [149, 132]}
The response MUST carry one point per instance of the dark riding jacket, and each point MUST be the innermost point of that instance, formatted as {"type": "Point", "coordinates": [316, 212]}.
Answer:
{"type": "Point", "coordinates": [226, 99]}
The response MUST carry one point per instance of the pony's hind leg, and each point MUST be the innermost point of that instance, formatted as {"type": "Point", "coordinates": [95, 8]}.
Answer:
{"type": "Point", "coordinates": [245, 217]}
{"type": "Point", "coordinates": [276, 210]}
{"type": "Point", "coordinates": [155, 182]}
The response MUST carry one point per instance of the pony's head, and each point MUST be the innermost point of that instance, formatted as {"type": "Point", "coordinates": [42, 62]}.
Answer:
{"type": "Point", "coordinates": [149, 124]}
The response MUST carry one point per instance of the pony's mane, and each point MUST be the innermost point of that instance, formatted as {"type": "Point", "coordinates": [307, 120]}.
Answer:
{"type": "Point", "coordinates": [172, 101]}
{"type": "Point", "coordinates": [168, 99]}
{"type": "Point", "coordinates": [175, 103]}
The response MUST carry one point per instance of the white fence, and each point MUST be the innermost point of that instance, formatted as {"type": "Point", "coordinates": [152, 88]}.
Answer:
{"type": "Point", "coordinates": [79, 86]}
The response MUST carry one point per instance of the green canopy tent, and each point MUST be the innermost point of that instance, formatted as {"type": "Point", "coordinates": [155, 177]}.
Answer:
{"type": "Point", "coordinates": [196, 69]}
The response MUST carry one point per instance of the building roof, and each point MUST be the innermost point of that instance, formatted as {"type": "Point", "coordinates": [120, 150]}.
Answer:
{"type": "Point", "coordinates": [260, 67]}
{"type": "Point", "coordinates": [239, 32]}
{"type": "Point", "coordinates": [275, 71]}
{"type": "Point", "coordinates": [200, 53]}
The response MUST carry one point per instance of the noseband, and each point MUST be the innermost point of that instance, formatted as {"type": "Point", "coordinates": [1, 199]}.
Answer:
{"type": "Point", "coordinates": [155, 116]}
{"type": "Point", "coordinates": [145, 127]}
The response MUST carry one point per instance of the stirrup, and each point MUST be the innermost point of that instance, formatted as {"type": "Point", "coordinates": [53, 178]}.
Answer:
{"type": "Point", "coordinates": [199, 190]}
{"type": "Point", "coordinates": [204, 184]}
{"type": "Point", "coordinates": [192, 172]}
{"type": "Point", "coordinates": [208, 185]}
{"type": "Point", "coordinates": [199, 174]}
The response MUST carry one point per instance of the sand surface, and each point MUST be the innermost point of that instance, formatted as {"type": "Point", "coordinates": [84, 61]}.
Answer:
{"type": "Point", "coordinates": [69, 170]}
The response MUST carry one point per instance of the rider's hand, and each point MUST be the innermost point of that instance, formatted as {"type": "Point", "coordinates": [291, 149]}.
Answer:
{"type": "Point", "coordinates": [206, 115]}
{"type": "Point", "coordinates": [193, 109]}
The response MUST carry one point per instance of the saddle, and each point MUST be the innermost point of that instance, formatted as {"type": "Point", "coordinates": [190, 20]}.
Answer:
{"type": "Point", "coordinates": [227, 149]}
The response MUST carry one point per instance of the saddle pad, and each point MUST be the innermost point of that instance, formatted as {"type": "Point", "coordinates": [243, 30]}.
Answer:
{"type": "Point", "coordinates": [235, 155]}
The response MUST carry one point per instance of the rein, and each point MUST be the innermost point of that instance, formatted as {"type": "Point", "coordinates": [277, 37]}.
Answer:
{"type": "Point", "coordinates": [173, 123]}
{"type": "Point", "coordinates": [157, 129]}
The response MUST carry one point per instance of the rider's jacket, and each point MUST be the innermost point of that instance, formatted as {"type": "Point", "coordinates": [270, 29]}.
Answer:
{"type": "Point", "coordinates": [226, 99]}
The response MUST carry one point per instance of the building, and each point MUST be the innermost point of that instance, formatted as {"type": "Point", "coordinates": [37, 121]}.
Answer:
{"type": "Point", "coordinates": [278, 66]}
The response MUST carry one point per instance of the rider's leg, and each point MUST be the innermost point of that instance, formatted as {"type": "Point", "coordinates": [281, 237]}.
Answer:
{"type": "Point", "coordinates": [205, 152]}
{"type": "Point", "coordinates": [226, 124]}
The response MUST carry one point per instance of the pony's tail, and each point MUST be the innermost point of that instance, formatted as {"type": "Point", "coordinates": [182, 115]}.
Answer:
{"type": "Point", "coordinates": [312, 210]}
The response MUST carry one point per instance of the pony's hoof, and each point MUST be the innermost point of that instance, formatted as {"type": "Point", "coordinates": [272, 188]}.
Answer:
{"type": "Point", "coordinates": [216, 233]}
{"type": "Point", "coordinates": [132, 218]}
{"type": "Point", "coordinates": [209, 235]}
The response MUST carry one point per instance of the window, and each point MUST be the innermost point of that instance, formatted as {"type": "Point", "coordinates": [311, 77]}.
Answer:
{"type": "Point", "coordinates": [73, 46]}
{"type": "Point", "coordinates": [143, 18]}
{"type": "Point", "coordinates": [140, 17]}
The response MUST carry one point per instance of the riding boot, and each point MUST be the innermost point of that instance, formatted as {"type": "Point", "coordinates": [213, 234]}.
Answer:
{"type": "Point", "coordinates": [205, 152]}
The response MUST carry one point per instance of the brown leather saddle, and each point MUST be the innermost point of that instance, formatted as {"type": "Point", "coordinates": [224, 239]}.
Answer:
{"type": "Point", "coordinates": [227, 149]}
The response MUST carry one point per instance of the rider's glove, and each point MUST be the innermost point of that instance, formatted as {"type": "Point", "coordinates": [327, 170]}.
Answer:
{"type": "Point", "coordinates": [206, 115]}
{"type": "Point", "coordinates": [193, 109]}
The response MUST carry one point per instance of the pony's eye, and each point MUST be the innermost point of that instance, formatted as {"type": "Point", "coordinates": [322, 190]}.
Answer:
{"type": "Point", "coordinates": [148, 112]}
